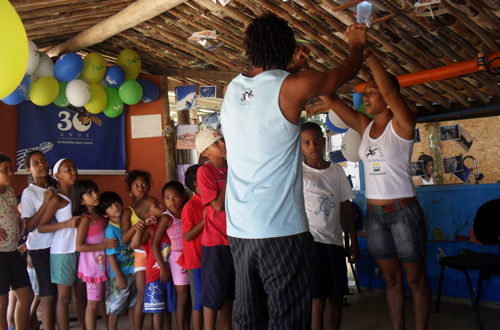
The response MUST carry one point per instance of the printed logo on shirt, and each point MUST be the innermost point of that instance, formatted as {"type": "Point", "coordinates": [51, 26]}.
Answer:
{"type": "Point", "coordinates": [374, 154]}
{"type": "Point", "coordinates": [326, 205]}
{"type": "Point", "coordinates": [246, 96]}
{"type": "Point", "coordinates": [376, 167]}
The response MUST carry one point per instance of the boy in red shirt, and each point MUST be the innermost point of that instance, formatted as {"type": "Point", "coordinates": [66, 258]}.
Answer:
{"type": "Point", "coordinates": [193, 222]}
{"type": "Point", "coordinates": [160, 296]}
{"type": "Point", "coordinates": [217, 269]}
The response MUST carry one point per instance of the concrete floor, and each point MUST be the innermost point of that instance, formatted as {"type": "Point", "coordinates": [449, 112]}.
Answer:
{"type": "Point", "coordinates": [368, 311]}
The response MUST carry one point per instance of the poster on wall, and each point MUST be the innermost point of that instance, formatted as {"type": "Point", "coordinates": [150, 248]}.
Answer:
{"type": "Point", "coordinates": [208, 91]}
{"type": "Point", "coordinates": [449, 132]}
{"type": "Point", "coordinates": [95, 143]}
{"type": "Point", "coordinates": [210, 118]}
{"type": "Point", "coordinates": [186, 136]}
{"type": "Point", "coordinates": [181, 171]}
{"type": "Point", "coordinates": [185, 97]}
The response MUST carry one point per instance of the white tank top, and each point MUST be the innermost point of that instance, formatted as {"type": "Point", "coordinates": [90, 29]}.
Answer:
{"type": "Point", "coordinates": [64, 240]}
{"type": "Point", "coordinates": [386, 161]}
{"type": "Point", "coordinates": [425, 182]}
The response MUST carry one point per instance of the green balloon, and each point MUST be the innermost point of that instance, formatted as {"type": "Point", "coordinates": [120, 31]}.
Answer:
{"type": "Point", "coordinates": [61, 99]}
{"type": "Point", "coordinates": [362, 109]}
{"type": "Point", "coordinates": [114, 107]}
{"type": "Point", "coordinates": [130, 92]}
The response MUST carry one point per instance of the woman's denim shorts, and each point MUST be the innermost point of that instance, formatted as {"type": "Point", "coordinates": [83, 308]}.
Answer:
{"type": "Point", "coordinates": [400, 234]}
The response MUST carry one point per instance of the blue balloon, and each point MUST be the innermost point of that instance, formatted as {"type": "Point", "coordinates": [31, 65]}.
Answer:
{"type": "Point", "coordinates": [150, 91]}
{"type": "Point", "coordinates": [20, 93]}
{"type": "Point", "coordinates": [115, 76]}
{"type": "Point", "coordinates": [334, 128]}
{"type": "Point", "coordinates": [68, 67]}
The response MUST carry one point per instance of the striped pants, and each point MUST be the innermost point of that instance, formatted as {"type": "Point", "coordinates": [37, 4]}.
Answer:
{"type": "Point", "coordinates": [273, 282]}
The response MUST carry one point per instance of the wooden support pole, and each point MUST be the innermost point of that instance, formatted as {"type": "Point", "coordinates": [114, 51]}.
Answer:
{"type": "Point", "coordinates": [136, 13]}
{"type": "Point", "coordinates": [169, 141]}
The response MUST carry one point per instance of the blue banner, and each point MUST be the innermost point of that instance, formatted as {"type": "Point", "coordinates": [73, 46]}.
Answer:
{"type": "Point", "coordinates": [95, 143]}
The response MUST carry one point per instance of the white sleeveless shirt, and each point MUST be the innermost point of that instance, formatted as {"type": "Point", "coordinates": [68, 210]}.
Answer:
{"type": "Point", "coordinates": [64, 240]}
{"type": "Point", "coordinates": [386, 161]}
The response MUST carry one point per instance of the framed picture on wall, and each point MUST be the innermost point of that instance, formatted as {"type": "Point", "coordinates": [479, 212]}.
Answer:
{"type": "Point", "coordinates": [417, 168]}
{"type": "Point", "coordinates": [453, 164]}
{"type": "Point", "coordinates": [417, 139]}
{"type": "Point", "coordinates": [449, 132]}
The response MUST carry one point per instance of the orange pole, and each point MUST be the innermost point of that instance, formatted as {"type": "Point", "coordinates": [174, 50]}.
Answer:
{"type": "Point", "coordinates": [445, 72]}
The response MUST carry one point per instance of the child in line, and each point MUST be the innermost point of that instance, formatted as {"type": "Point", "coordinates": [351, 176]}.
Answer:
{"type": "Point", "coordinates": [160, 292]}
{"type": "Point", "coordinates": [34, 323]}
{"type": "Point", "coordinates": [91, 243]}
{"type": "Point", "coordinates": [139, 184]}
{"type": "Point", "coordinates": [217, 269]}
{"type": "Point", "coordinates": [35, 199]}
{"type": "Point", "coordinates": [13, 274]}
{"type": "Point", "coordinates": [121, 292]}
{"type": "Point", "coordinates": [193, 222]}
{"type": "Point", "coordinates": [58, 219]}
{"type": "Point", "coordinates": [326, 193]}
{"type": "Point", "coordinates": [174, 197]}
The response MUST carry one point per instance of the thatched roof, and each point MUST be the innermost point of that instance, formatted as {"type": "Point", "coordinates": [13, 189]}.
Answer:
{"type": "Point", "coordinates": [404, 42]}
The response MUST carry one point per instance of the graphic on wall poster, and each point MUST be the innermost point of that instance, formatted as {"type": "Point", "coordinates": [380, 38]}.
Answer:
{"type": "Point", "coordinates": [186, 135]}
{"type": "Point", "coordinates": [95, 143]}
{"type": "Point", "coordinates": [210, 118]}
{"type": "Point", "coordinates": [185, 97]}
{"type": "Point", "coordinates": [181, 171]}
{"type": "Point", "coordinates": [208, 91]}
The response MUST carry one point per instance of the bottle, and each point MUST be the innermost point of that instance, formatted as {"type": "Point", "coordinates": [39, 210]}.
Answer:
{"type": "Point", "coordinates": [364, 12]}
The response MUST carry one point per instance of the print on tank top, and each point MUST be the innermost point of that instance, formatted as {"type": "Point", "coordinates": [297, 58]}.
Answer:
{"type": "Point", "coordinates": [375, 157]}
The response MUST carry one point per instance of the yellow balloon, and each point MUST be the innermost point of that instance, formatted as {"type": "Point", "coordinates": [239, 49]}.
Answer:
{"type": "Point", "coordinates": [44, 91]}
{"type": "Point", "coordinates": [130, 62]}
{"type": "Point", "coordinates": [14, 53]}
{"type": "Point", "coordinates": [98, 99]}
{"type": "Point", "coordinates": [94, 67]}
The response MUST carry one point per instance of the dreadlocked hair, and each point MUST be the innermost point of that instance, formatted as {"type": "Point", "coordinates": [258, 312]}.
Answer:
{"type": "Point", "coordinates": [270, 42]}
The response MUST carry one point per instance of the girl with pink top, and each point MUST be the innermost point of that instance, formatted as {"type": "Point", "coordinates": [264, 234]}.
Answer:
{"type": "Point", "coordinates": [174, 196]}
{"type": "Point", "coordinates": [91, 243]}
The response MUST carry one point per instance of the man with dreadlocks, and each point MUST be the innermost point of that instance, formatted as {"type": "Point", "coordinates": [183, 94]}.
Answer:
{"type": "Point", "coordinates": [266, 221]}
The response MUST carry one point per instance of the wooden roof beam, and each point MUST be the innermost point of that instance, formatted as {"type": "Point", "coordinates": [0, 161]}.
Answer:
{"type": "Point", "coordinates": [136, 13]}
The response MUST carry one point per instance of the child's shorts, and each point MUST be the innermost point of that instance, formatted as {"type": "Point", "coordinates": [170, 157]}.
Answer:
{"type": "Point", "coordinates": [217, 276]}
{"type": "Point", "coordinates": [34, 281]}
{"type": "Point", "coordinates": [63, 268]}
{"type": "Point", "coordinates": [329, 270]}
{"type": "Point", "coordinates": [118, 301]}
{"type": "Point", "coordinates": [41, 264]}
{"type": "Point", "coordinates": [195, 283]}
{"type": "Point", "coordinates": [96, 291]}
{"type": "Point", "coordinates": [160, 297]}
{"type": "Point", "coordinates": [139, 260]}
{"type": "Point", "coordinates": [179, 274]}
{"type": "Point", "coordinates": [13, 273]}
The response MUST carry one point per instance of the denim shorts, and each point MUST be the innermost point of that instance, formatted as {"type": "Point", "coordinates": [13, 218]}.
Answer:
{"type": "Point", "coordinates": [400, 234]}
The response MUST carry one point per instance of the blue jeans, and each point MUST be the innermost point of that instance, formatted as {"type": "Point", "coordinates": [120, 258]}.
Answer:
{"type": "Point", "coordinates": [401, 234]}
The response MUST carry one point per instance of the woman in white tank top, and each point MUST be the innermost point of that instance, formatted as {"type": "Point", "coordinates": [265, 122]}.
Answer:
{"type": "Point", "coordinates": [386, 147]}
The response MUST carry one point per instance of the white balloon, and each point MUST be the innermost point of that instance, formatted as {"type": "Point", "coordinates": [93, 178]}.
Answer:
{"type": "Point", "coordinates": [33, 58]}
{"type": "Point", "coordinates": [45, 67]}
{"type": "Point", "coordinates": [335, 119]}
{"type": "Point", "coordinates": [350, 145]}
{"type": "Point", "coordinates": [78, 93]}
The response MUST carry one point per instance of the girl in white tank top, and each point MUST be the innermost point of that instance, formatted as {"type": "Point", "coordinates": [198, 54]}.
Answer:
{"type": "Point", "coordinates": [63, 255]}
